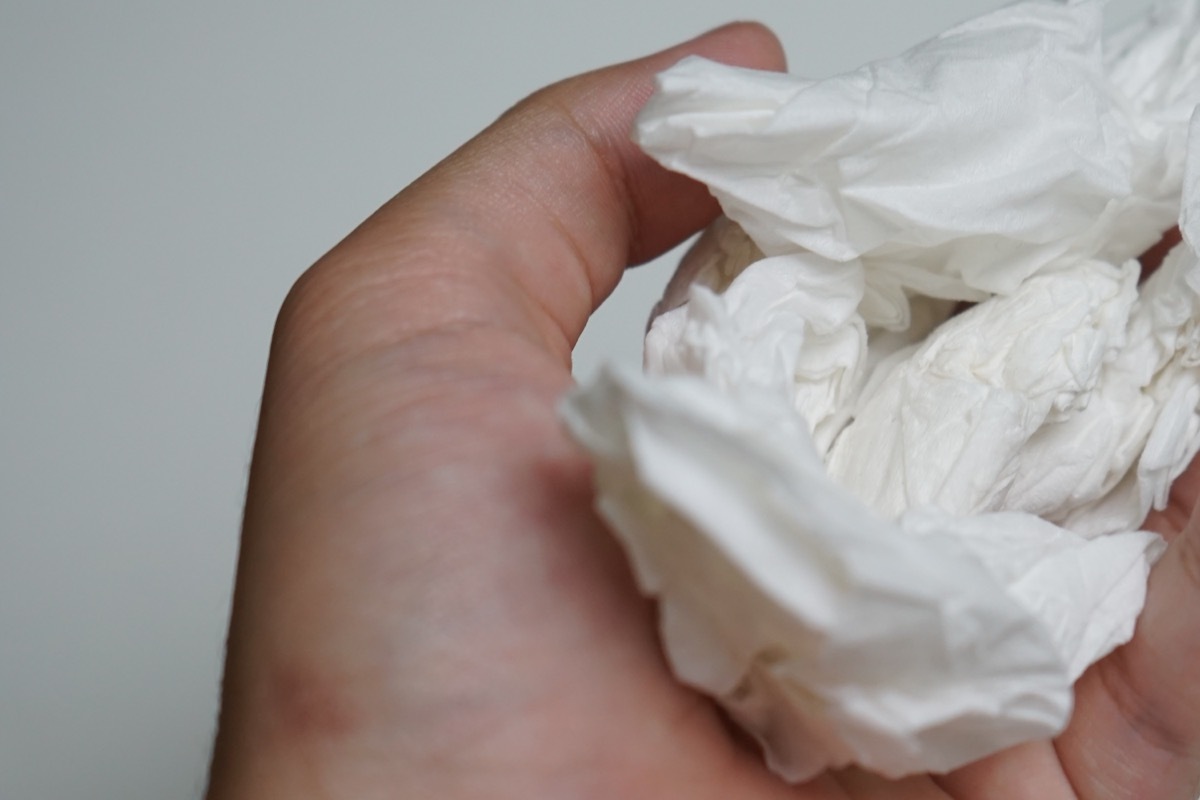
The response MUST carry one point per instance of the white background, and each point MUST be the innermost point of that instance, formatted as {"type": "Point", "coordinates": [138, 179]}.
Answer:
{"type": "Point", "coordinates": [166, 171]}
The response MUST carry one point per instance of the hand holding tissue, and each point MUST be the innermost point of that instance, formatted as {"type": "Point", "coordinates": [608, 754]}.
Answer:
{"type": "Point", "coordinates": [910, 399]}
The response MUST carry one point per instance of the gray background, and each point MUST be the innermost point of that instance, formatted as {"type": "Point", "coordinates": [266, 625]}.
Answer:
{"type": "Point", "coordinates": [166, 171]}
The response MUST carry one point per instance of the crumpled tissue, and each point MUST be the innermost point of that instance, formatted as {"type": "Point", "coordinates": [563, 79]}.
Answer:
{"type": "Point", "coordinates": [909, 400]}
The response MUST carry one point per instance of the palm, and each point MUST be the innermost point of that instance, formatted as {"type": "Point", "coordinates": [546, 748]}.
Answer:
{"type": "Point", "coordinates": [426, 605]}
{"type": "Point", "coordinates": [567, 687]}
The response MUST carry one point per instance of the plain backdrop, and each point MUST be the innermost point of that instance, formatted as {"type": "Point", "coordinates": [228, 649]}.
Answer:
{"type": "Point", "coordinates": [166, 171]}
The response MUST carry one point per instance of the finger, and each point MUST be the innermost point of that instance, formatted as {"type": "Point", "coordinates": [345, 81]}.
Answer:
{"type": "Point", "coordinates": [1029, 771]}
{"type": "Point", "coordinates": [1136, 729]}
{"type": "Point", "coordinates": [531, 223]}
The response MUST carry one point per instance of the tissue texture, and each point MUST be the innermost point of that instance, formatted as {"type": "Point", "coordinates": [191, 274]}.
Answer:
{"type": "Point", "coordinates": [908, 402]}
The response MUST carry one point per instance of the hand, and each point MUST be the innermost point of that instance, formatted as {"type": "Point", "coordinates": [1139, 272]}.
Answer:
{"type": "Point", "coordinates": [426, 606]}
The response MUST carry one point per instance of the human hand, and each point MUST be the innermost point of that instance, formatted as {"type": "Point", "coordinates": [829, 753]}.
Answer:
{"type": "Point", "coordinates": [426, 605]}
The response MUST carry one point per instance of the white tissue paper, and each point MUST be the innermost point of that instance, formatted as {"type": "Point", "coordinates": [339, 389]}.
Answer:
{"type": "Point", "coordinates": [907, 403]}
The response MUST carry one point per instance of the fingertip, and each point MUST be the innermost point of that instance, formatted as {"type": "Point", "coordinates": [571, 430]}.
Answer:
{"type": "Point", "coordinates": [744, 43]}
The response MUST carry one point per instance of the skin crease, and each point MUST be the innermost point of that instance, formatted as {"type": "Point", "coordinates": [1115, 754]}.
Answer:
{"type": "Point", "coordinates": [426, 606]}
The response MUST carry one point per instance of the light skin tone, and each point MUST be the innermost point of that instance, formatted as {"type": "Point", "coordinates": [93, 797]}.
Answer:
{"type": "Point", "coordinates": [427, 606]}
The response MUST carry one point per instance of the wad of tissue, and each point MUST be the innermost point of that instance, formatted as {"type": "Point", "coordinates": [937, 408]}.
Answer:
{"type": "Point", "coordinates": [909, 400]}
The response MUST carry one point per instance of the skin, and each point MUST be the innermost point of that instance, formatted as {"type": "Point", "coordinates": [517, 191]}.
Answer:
{"type": "Point", "coordinates": [426, 606]}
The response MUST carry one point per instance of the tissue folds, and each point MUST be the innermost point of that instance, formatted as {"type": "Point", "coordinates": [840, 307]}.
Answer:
{"type": "Point", "coordinates": [907, 403]}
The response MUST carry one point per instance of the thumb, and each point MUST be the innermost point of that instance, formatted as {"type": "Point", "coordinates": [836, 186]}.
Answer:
{"type": "Point", "coordinates": [530, 224]}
